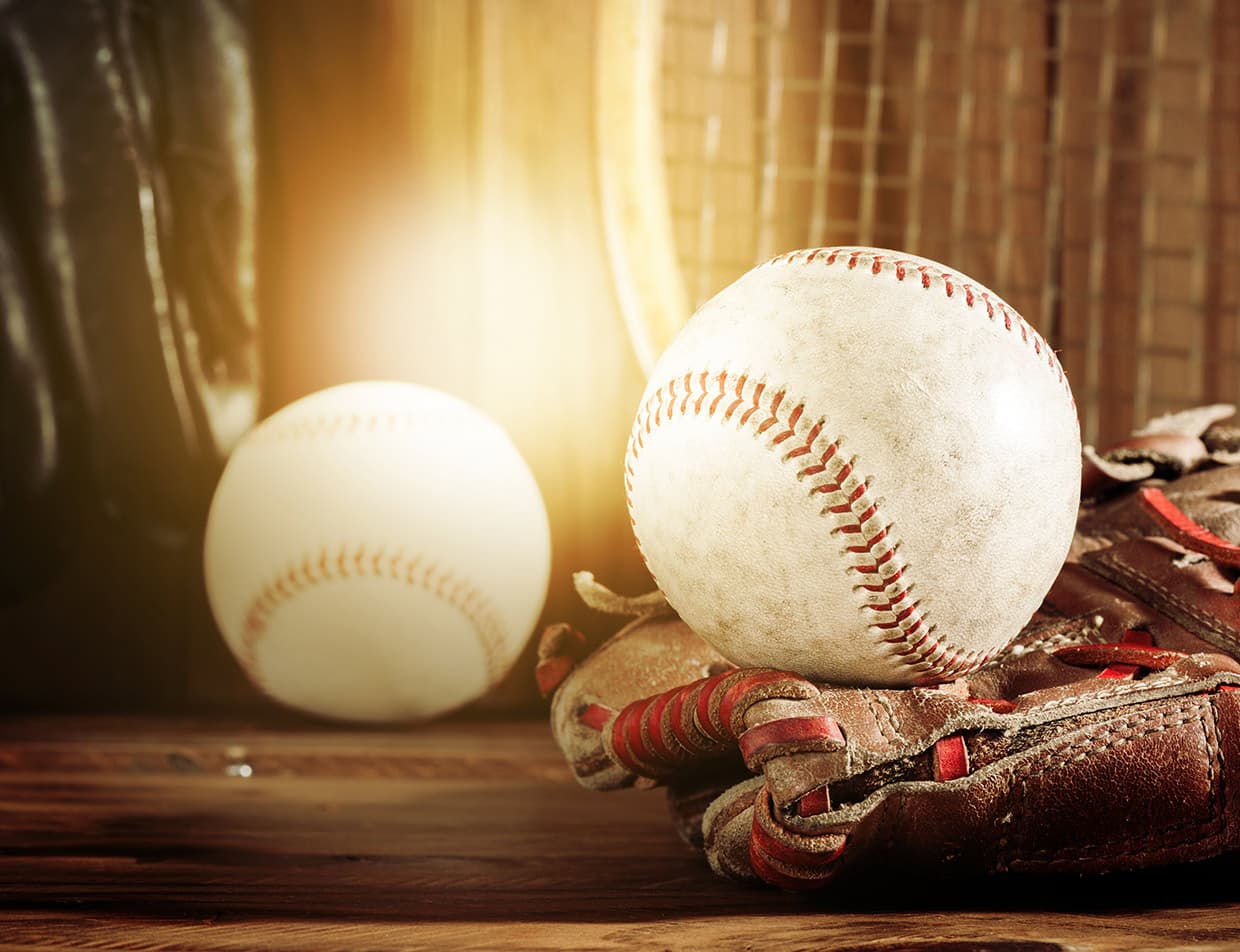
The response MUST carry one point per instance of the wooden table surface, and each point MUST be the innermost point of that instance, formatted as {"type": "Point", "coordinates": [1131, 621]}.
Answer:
{"type": "Point", "coordinates": [144, 834]}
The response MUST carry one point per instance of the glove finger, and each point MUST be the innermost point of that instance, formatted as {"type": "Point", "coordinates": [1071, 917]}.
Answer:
{"type": "Point", "coordinates": [746, 840]}
{"type": "Point", "coordinates": [652, 655]}
{"type": "Point", "coordinates": [690, 795]}
{"type": "Point", "coordinates": [726, 827]}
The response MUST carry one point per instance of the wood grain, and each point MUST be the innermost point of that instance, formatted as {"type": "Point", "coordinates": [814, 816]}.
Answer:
{"type": "Point", "coordinates": [137, 834]}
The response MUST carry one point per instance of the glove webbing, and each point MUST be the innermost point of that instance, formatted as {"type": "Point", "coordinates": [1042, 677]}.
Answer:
{"type": "Point", "coordinates": [1188, 533]}
{"type": "Point", "coordinates": [1124, 659]}
{"type": "Point", "coordinates": [706, 718]}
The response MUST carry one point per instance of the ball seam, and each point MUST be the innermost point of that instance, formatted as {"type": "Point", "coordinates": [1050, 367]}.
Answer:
{"type": "Point", "coordinates": [953, 285]}
{"type": "Point", "coordinates": [346, 561]}
{"type": "Point", "coordinates": [327, 426]}
{"type": "Point", "coordinates": [871, 548]}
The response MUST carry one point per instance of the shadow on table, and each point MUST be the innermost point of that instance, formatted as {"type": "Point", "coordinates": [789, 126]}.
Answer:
{"type": "Point", "coordinates": [462, 851]}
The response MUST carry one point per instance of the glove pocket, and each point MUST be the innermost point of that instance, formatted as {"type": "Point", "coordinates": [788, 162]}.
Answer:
{"type": "Point", "coordinates": [1145, 786]}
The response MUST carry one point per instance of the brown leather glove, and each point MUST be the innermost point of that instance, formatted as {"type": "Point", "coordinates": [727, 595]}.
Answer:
{"type": "Point", "coordinates": [128, 309]}
{"type": "Point", "coordinates": [1100, 740]}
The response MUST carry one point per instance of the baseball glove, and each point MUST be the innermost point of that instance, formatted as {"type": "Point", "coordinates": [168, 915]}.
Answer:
{"type": "Point", "coordinates": [1100, 740]}
{"type": "Point", "coordinates": [128, 313]}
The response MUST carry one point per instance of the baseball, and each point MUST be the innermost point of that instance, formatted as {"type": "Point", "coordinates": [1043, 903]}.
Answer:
{"type": "Point", "coordinates": [858, 465]}
{"type": "Point", "coordinates": [376, 551]}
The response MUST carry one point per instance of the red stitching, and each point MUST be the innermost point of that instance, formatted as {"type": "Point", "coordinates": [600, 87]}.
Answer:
{"type": "Point", "coordinates": [901, 621]}
{"type": "Point", "coordinates": [348, 562]}
{"type": "Point", "coordinates": [320, 427]}
{"type": "Point", "coordinates": [951, 281]}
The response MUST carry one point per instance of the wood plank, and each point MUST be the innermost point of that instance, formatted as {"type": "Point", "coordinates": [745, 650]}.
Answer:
{"type": "Point", "coordinates": [133, 834]}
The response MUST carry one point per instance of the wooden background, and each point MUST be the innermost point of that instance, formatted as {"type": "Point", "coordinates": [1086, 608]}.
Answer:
{"type": "Point", "coordinates": [1078, 157]}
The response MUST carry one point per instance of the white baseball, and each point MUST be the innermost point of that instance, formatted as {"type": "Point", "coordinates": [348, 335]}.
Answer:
{"type": "Point", "coordinates": [858, 465]}
{"type": "Point", "coordinates": [376, 551]}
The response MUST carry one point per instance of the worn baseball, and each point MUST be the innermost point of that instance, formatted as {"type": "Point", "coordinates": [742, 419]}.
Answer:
{"type": "Point", "coordinates": [376, 551]}
{"type": "Point", "coordinates": [858, 465]}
